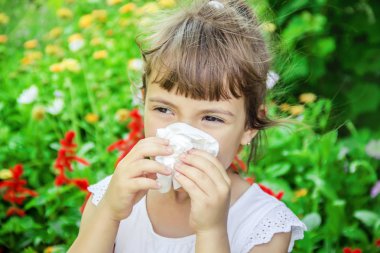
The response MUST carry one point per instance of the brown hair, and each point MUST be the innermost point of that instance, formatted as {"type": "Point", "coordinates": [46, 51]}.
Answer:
{"type": "Point", "coordinates": [209, 52]}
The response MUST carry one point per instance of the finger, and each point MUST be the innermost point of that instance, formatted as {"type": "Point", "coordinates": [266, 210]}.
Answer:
{"type": "Point", "coordinates": [213, 171]}
{"type": "Point", "coordinates": [146, 149]}
{"type": "Point", "coordinates": [201, 179]}
{"type": "Point", "coordinates": [145, 166]}
{"type": "Point", "coordinates": [155, 139]}
{"type": "Point", "coordinates": [142, 183]}
{"type": "Point", "coordinates": [190, 187]}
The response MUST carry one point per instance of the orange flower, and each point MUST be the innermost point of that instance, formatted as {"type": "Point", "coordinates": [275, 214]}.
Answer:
{"type": "Point", "coordinates": [71, 65]}
{"type": "Point", "coordinates": [296, 110]}
{"type": "Point", "coordinates": [122, 115]}
{"type": "Point", "coordinates": [54, 50]}
{"type": "Point", "coordinates": [285, 107]}
{"type": "Point", "coordinates": [101, 54]}
{"type": "Point", "coordinates": [38, 112]}
{"type": "Point", "coordinates": [57, 67]}
{"type": "Point", "coordinates": [31, 57]}
{"type": "Point", "coordinates": [99, 15]}
{"type": "Point", "coordinates": [95, 41]}
{"type": "Point", "coordinates": [123, 22]}
{"type": "Point", "coordinates": [3, 38]}
{"type": "Point", "coordinates": [85, 21]}
{"type": "Point", "coordinates": [166, 3]}
{"type": "Point", "coordinates": [127, 8]}
{"type": "Point", "coordinates": [55, 33]}
{"type": "Point", "coordinates": [307, 98]}
{"type": "Point", "coordinates": [4, 19]}
{"type": "Point", "coordinates": [301, 193]}
{"type": "Point", "coordinates": [113, 2]}
{"type": "Point", "coordinates": [5, 174]}
{"type": "Point", "coordinates": [65, 13]}
{"type": "Point", "coordinates": [30, 44]}
{"type": "Point", "coordinates": [147, 8]}
{"type": "Point", "coordinates": [92, 118]}
{"type": "Point", "coordinates": [76, 42]}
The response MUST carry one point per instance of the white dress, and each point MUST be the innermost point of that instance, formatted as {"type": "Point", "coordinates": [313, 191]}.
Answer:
{"type": "Point", "coordinates": [252, 220]}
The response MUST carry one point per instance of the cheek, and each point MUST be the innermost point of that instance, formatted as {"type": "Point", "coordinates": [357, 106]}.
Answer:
{"type": "Point", "coordinates": [227, 151]}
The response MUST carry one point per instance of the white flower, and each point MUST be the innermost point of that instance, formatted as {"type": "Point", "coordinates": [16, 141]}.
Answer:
{"type": "Point", "coordinates": [272, 79]}
{"type": "Point", "coordinates": [373, 149]}
{"type": "Point", "coordinates": [28, 96]}
{"type": "Point", "coordinates": [136, 64]}
{"type": "Point", "coordinates": [56, 107]}
{"type": "Point", "coordinates": [75, 45]}
{"type": "Point", "coordinates": [58, 94]}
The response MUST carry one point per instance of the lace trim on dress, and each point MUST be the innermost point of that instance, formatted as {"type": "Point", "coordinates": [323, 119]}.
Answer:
{"type": "Point", "coordinates": [278, 220]}
{"type": "Point", "coordinates": [99, 189]}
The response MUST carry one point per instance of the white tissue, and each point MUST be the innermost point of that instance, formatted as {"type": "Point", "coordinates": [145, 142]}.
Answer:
{"type": "Point", "coordinates": [182, 137]}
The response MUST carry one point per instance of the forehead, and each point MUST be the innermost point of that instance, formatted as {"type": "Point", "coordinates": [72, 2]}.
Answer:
{"type": "Point", "coordinates": [155, 91]}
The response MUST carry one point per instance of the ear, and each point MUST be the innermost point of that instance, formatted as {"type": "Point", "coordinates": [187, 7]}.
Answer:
{"type": "Point", "coordinates": [248, 135]}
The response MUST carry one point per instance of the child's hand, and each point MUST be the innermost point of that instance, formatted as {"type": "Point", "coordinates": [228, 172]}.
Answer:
{"type": "Point", "coordinates": [134, 176]}
{"type": "Point", "coordinates": [206, 181]}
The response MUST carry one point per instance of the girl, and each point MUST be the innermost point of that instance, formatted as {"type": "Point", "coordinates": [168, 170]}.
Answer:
{"type": "Point", "coordinates": [207, 67]}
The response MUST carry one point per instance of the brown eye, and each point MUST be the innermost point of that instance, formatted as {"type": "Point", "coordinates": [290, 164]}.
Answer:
{"type": "Point", "coordinates": [214, 119]}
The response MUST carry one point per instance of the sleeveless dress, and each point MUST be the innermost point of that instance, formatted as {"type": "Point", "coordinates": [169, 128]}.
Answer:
{"type": "Point", "coordinates": [252, 220]}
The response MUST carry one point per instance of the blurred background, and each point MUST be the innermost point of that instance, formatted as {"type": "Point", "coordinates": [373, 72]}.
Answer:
{"type": "Point", "coordinates": [68, 114]}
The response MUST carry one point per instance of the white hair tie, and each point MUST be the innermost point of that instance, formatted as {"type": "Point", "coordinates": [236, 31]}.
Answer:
{"type": "Point", "coordinates": [216, 4]}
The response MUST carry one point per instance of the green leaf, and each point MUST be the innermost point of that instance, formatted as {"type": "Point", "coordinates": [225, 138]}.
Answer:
{"type": "Point", "coordinates": [369, 218]}
{"type": "Point", "coordinates": [278, 169]}
{"type": "Point", "coordinates": [355, 233]}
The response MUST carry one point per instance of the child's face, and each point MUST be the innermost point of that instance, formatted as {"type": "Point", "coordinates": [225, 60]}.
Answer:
{"type": "Point", "coordinates": [163, 108]}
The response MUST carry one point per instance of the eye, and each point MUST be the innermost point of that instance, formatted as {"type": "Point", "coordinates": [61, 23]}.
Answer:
{"type": "Point", "coordinates": [161, 110]}
{"type": "Point", "coordinates": [214, 119]}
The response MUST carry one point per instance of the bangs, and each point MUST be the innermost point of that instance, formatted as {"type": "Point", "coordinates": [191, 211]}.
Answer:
{"type": "Point", "coordinates": [196, 64]}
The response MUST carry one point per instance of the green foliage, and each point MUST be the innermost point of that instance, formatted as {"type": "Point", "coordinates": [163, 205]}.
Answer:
{"type": "Point", "coordinates": [329, 48]}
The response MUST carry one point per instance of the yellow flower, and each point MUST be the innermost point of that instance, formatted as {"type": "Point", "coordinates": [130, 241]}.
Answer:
{"type": "Point", "coordinates": [85, 21]}
{"type": "Point", "coordinates": [5, 174]}
{"type": "Point", "coordinates": [296, 109]}
{"type": "Point", "coordinates": [285, 107]}
{"type": "Point", "coordinates": [31, 57]}
{"type": "Point", "coordinates": [300, 193]}
{"type": "Point", "coordinates": [123, 22]}
{"type": "Point", "coordinates": [127, 8]}
{"type": "Point", "coordinates": [92, 118]}
{"type": "Point", "coordinates": [54, 50]}
{"type": "Point", "coordinates": [30, 44]}
{"type": "Point", "coordinates": [38, 112]}
{"type": "Point", "coordinates": [113, 2]}
{"type": "Point", "coordinates": [147, 8]}
{"type": "Point", "coordinates": [99, 15]}
{"type": "Point", "coordinates": [101, 54]}
{"type": "Point", "coordinates": [269, 27]}
{"type": "Point", "coordinates": [3, 38]}
{"type": "Point", "coordinates": [50, 249]}
{"type": "Point", "coordinates": [307, 98]}
{"type": "Point", "coordinates": [71, 65]}
{"type": "Point", "coordinates": [55, 33]}
{"type": "Point", "coordinates": [122, 115]}
{"type": "Point", "coordinates": [4, 19]}
{"type": "Point", "coordinates": [166, 3]}
{"type": "Point", "coordinates": [56, 68]}
{"type": "Point", "coordinates": [96, 41]}
{"type": "Point", "coordinates": [65, 13]}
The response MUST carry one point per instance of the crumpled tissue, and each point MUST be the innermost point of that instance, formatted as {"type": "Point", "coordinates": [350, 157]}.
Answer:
{"type": "Point", "coordinates": [182, 137]}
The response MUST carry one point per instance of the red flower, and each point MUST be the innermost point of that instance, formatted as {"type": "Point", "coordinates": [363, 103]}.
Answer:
{"type": "Point", "coordinates": [66, 155]}
{"type": "Point", "coordinates": [82, 184]}
{"type": "Point", "coordinates": [13, 210]}
{"type": "Point", "coordinates": [136, 127]}
{"type": "Point", "coordinates": [15, 192]}
{"type": "Point", "coordinates": [238, 165]}
{"type": "Point", "coordinates": [349, 250]}
{"type": "Point", "coordinates": [250, 180]}
{"type": "Point", "coordinates": [377, 243]}
{"type": "Point", "coordinates": [270, 192]}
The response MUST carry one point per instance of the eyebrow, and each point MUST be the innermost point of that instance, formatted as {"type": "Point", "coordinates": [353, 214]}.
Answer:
{"type": "Point", "coordinates": [160, 100]}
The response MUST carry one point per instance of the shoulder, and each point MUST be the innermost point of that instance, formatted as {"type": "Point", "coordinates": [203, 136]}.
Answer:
{"type": "Point", "coordinates": [263, 222]}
